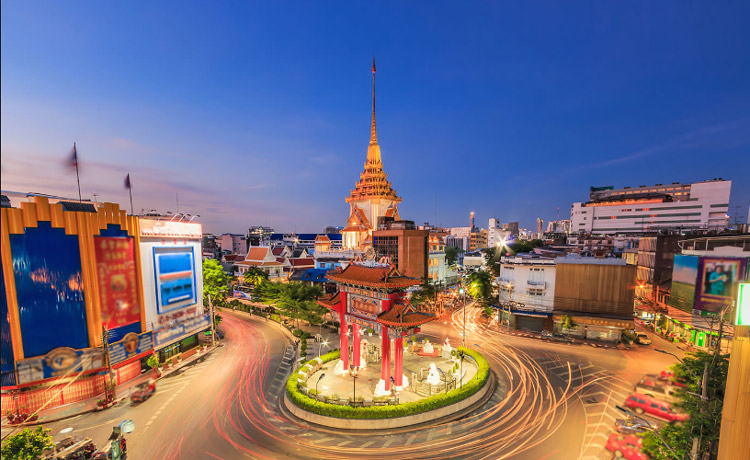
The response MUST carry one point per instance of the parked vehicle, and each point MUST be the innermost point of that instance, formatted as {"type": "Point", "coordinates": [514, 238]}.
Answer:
{"type": "Point", "coordinates": [631, 425]}
{"type": "Point", "coordinates": [143, 391]}
{"type": "Point", "coordinates": [626, 446]}
{"type": "Point", "coordinates": [653, 387]}
{"type": "Point", "coordinates": [71, 449]}
{"type": "Point", "coordinates": [641, 403]}
{"type": "Point", "coordinates": [642, 338]}
{"type": "Point", "coordinates": [668, 376]}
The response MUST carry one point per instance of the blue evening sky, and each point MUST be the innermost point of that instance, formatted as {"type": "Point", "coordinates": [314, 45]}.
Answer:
{"type": "Point", "coordinates": [259, 113]}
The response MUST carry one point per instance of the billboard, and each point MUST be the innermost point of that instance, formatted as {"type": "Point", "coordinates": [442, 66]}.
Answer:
{"type": "Point", "coordinates": [684, 276]}
{"type": "Point", "coordinates": [115, 269]}
{"type": "Point", "coordinates": [719, 279]}
{"type": "Point", "coordinates": [60, 362]}
{"type": "Point", "coordinates": [174, 269]}
{"type": "Point", "coordinates": [132, 345]}
{"type": "Point", "coordinates": [174, 333]}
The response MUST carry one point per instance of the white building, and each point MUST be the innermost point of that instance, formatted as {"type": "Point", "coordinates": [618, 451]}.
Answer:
{"type": "Point", "coordinates": [700, 205]}
{"type": "Point", "coordinates": [459, 242]}
{"type": "Point", "coordinates": [263, 258]}
{"type": "Point", "coordinates": [474, 261]}
{"type": "Point", "coordinates": [497, 233]}
{"type": "Point", "coordinates": [529, 282]}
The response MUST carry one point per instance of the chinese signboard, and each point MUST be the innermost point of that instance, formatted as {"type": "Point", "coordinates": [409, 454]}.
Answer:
{"type": "Point", "coordinates": [132, 345]}
{"type": "Point", "coordinates": [115, 269]}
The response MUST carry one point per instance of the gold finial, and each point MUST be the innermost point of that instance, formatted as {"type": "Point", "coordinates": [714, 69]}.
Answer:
{"type": "Point", "coordinates": [373, 131]}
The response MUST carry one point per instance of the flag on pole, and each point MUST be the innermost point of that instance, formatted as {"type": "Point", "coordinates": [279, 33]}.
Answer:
{"type": "Point", "coordinates": [73, 161]}
{"type": "Point", "coordinates": [129, 186]}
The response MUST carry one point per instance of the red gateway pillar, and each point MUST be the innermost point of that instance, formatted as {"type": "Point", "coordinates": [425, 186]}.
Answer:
{"type": "Point", "coordinates": [344, 329]}
{"type": "Point", "coordinates": [385, 359]}
{"type": "Point", "coordinates": [398, 365]}
{"type": "Point", "coordinates": [355, 345]}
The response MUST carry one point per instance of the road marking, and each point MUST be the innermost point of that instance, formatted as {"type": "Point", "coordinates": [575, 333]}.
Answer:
{"type": "Point", "coordinates": [411, 439]}
{"type": "Point", "coordinates": [387, 443]}
{"type": "Point", "coordinates": [343, 443]}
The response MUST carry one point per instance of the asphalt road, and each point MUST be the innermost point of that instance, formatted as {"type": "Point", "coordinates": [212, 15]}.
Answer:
{"type": "Point", "coordinates": [553, 401]}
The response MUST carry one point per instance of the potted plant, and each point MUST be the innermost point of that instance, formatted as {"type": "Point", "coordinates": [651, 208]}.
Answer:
{"type": "Point", "coordinates": [370, 331]}
{"type": "Point", "coordinates": [154, 364]}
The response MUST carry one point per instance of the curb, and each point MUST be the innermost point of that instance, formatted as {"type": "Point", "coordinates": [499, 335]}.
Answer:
{"type": "Point", "coordinates": [42, 421]}
{"type": "Point", "coordinates": [367, 425]}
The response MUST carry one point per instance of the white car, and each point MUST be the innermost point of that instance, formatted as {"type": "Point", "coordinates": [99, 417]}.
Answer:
{"type": "Point", "coordinates": [642, 338]}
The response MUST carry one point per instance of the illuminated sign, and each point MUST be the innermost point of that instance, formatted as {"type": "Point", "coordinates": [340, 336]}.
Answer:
{"type": "Point", "coordinates": [743, 305]}
{"type": "Point", "coordinates": [132, 345]}
{"type": "Point", "coordinates": [175, 278]}
{"type": "Point", "coordinates": [165, 228]}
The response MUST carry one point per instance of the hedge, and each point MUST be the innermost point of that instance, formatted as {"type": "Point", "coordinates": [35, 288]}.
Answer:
{"type": "Point", "coordinates": [399, 410]}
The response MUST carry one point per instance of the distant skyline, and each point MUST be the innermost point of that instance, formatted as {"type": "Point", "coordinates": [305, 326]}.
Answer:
{"type": "Point", "coordinates": [259, 114]}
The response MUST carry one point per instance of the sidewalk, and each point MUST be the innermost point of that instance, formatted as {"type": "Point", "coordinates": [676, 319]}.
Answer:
{"type": "Point", "coordinates": [90, 405]}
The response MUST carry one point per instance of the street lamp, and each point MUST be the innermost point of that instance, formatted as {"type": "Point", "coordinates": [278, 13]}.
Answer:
{"type": "Point", "coordinates": [324, 344]}
{"type": "Point", "coordinates": [462, 292]}
{"type": "Point", "coordinates": [353, 371]}
{"type": "Point", "coordinates": [316, 385]}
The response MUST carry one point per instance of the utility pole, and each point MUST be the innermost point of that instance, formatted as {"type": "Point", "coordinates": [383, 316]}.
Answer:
{"type": "Point", "coordinates": [111, 390]}
{"type": "Point", "coordinates": [211, 318]}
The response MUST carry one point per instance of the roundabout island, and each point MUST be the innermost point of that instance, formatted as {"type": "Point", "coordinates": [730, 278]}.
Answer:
{"type": "Point", "coordinates": [353, 388]}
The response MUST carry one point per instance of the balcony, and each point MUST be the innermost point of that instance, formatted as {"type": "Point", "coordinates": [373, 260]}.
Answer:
{"type": "Point", "coordinates": [537, 284]}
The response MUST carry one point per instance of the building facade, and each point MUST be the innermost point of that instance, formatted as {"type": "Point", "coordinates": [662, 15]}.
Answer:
{"type": "Point", "coordinates": [699, 205]}
{"type": "Point", "coordinates": [526, 292]}
{"type": "Point", "coordinates": [405, 247]}
{"type": "Point", "coordinates": [233, 243]}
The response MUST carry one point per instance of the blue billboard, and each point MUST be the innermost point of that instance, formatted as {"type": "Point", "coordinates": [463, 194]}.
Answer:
{"type": "Point", "coordinates": [174, 278]}
{"type": "Point", "coordinates": [49, 289]}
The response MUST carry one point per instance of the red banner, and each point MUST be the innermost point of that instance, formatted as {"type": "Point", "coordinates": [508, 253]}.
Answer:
{"type": "Point", "coordinates": [115, 267]}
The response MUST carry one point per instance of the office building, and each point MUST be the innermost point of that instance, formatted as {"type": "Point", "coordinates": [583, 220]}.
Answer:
{"type": "Point", "coordinates": [405, 247]}
{"type": "Point", "coordinates": [698, 205]}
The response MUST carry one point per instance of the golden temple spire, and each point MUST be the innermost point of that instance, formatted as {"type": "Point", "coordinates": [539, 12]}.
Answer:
{"type": "Point", "coordinates": [373, 151]}
{"type": "Point", "coordinates": [373, 132]}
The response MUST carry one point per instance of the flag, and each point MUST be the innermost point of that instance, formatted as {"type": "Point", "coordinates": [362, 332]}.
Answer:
{"type": "Point", "coordinates": [73, 162]}
{"type": "Point", "coordinates": [127, 181]}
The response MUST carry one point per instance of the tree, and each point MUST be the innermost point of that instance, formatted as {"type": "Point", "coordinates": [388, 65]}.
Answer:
{"type": "Point", "coordinates": [480, 286]}
{"type": "Point", "coordinates": [153, 361]}
{"type": "Point", "coordinates": [567, 323]}
{"type": "Point", "coordinates": [451, 255]}
{"type": "Point", "coordinates": [492, 259]}
{"type": "Point", "coordinates": [255, 276]}
{"type": "Point", "coordinates": [27, 444]}
{"type": "Point", "coordinates": [426, 295]}
{"type": "Point", "coordinates": [293, 300]}
{"type": "Point", "coordinates": [215, 282]}
{"type": "Point", "coordinates": [705, 416]}
{"type": "Point", "coordinates": [488, 312]}
{"type": "Point", "coordinates": [217, 320]}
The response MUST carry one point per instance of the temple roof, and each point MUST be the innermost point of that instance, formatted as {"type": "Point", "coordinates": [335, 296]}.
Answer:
{"type": "Point", "coordinates": [376, 276]}
{"type": "Point", "coordinates": [402, 314]}
{"type": "Point", "coordinates": [330, 301]}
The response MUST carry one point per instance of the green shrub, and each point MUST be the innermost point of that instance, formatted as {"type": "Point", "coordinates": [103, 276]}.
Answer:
{"type": "Point", "coordinates": [297, 332]}
{"type": "Point", "coordinates": [399, 410]}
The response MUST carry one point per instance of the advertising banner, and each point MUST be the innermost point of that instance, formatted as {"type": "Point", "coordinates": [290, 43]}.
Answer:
{"type": "Point", "coordinates": [132, 345]}
{"type": "Point", "coordinates": [719, 278]}
{"type": "Point", "coordinates": [166, 336]}
{"type": "Point", "coordinates": [115, 269]}
{"type": "Point", "coordinates": [684, 276]}
{"type": "Point", "coordinates": [60, 362]}
{"type": "Point", "coordinates": [175, 278]}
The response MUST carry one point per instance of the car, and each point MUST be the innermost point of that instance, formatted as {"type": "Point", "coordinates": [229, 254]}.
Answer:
{"type": "Point", "coordinates": [143, 391]}
{"type": "Point", "coordinates": [654, 387]}
{"type": "Point", "coordinates": [641, 403]}
{"type": "Point", "coordinates": [626, 446]}
{"type": "Point", "coordinates": [631, 425]}
{"type": "Point", "coordinates": [642, 338]}
{"type": "Point", "coordinates": [668, 376]}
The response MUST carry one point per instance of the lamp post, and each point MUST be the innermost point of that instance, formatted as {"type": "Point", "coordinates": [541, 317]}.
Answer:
{"type": "Point", "coordinates": [463, 293]}
{"type": "Point", "coordinates": [324, 344]}
{"type": "Point", "coordinates": [353, 371]}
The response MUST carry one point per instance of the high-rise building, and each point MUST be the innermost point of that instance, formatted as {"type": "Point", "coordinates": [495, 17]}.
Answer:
{"type": "Point", "coordinates": [471, 221]}
{"type": "Point", "coordinates": [259, 236]}
{"type": "Point", "coordinates": [539, 227]}
{"type": "Point", "coordinates": [698, 205]}
{"type": "Point", "coordinates": [373, 197]}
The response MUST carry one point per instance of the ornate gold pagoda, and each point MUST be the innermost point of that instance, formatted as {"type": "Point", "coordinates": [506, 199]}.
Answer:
{"type": "Point", "coordinates": [373, 196]}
